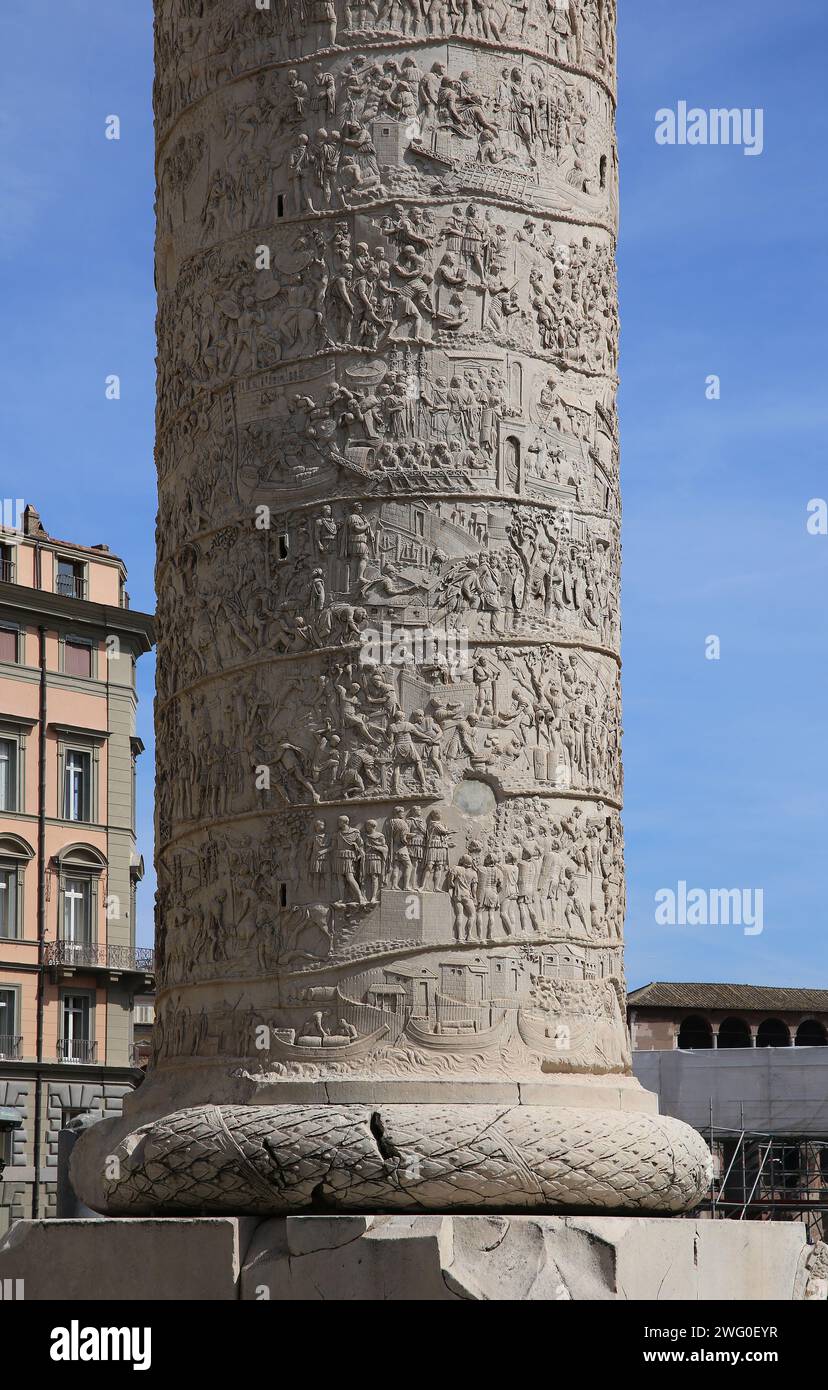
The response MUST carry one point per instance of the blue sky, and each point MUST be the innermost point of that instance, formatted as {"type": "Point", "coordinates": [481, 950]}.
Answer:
{"type": "Point", "coordinates": [722, 270]}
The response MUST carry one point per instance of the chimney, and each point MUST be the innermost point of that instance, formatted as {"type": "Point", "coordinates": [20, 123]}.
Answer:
{"type": "Point", "coordinates": [32, 525]}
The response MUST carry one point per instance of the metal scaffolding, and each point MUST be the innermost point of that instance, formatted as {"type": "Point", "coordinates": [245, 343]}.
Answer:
{"type": "Point", "coordinates": [760, 1176]}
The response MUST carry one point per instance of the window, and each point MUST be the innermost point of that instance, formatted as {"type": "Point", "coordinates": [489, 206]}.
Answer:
{"type": "Point", "coordinates": [74, 1044]}
{"type": "Point", "coordinates": [8, 774]}
{"type": "Point", "coordinates": [77, 657]}
{"type": "Point", "coordinates": [7, 564]}
{"type": "Point", "coordinates": [76, 926]}
{"type": "Point", "coordinates": [9, 1038]}
{"type": "Point", "coordinates": [15, 854]}
{"type": "Point", "coordinates": [77, 785]}
{"type": "Point", "coordinates": [77, 915]}
{"type": "Point", "coordinates": [9, 916]}
{"type": "Point", "coordinates": [78, 773]}
{"type": "Point", "coordinates": [9, 644]}
{"type": "Point", "coordinates": [71, 578]}
{"type": "Point", "coordinates": [72, 1112]}
{"type": "Point", "coordinates": [144, 1011]}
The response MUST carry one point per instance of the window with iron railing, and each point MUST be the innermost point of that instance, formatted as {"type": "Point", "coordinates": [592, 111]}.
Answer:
{"type": "Point", "coordinates": [77, 1050]}
{"type": "Point", "coordinates": [10, 1041]}
{"type": "Point", "coordinates": [70, 579]}
{"type": "Point", "coordinates": [75, 1043]}
{"type": "Point", "coordinates": [7, 565]}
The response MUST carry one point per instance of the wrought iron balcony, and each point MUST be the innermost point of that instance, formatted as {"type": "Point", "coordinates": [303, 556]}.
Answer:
{"type": "Point", "coordinates": [71, 585]}
{"type": "Point", "coordinates": [81, 955]}
{"type": "Point", "coordinates": [7, 571]}
{"type": "Point", "coordinates": [76, 1050]}
{"type": "Point", "coordinates": [10, 1045]}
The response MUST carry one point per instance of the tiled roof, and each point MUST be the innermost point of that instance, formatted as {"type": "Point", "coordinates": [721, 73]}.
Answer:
{"type": "Point", "coordinates": [34, 530]}
{"type": "Point", "coordinates": [666, 994]}
{"type": "Point", "coordinates": [87, 549]}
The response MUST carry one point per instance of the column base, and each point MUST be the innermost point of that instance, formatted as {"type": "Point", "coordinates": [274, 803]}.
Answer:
{"type": "Point", "coordinates": [405, 1258]}
{"type": "Point", "coordinates": [266, 1159]}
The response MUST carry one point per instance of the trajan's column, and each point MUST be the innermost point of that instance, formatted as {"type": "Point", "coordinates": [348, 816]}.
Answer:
{"type": "Point", "coordinates": [390, 858]}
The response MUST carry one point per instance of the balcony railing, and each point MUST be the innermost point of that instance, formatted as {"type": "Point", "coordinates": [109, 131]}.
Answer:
{"type": "Point", "coordinates": [71, 585]}
{"type": "Point", "coordinates": [76, 1050]}
{"type": "Point", "coordinates": [84, 955]}
{"type": "Point", "coordinates": [10, 1045]}
{"type": "Point", "coordinates": [7, 571]}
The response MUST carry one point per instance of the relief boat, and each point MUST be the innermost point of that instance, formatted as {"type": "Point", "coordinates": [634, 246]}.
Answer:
{"type": "Point", "coordinates": [551, 1036]}
{"type": "Point", "coordinates": [332, 1048]}
{"type": "Point", "coordinates": [454, 1041]}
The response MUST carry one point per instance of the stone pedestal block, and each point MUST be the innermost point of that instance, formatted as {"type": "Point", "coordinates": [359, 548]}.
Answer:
{"type": "Point", "coordinates": [539, 1259]}
{"type": "Point", "coordinates": [414, 1258]}
{"type": "Point", "coordinates": [162, 1260]}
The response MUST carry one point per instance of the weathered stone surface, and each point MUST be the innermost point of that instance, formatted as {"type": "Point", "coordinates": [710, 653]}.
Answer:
{"type": "Point", "coordinates": [389, 848]}
{"type": "Point", "coordinates": [517, 1258]}
{"type": "Point", "coordinates": [408, 1157]}
{"type": "Point", "coordinates": [410, 1258]}
{"type": "Point", "coordinates": [812, 1274]}
{"type": "Point", "coordinates": [126, 1261]}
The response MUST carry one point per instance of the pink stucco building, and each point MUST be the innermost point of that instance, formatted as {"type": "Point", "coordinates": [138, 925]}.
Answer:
{"type": "Point", "coordinates": [69, 864]}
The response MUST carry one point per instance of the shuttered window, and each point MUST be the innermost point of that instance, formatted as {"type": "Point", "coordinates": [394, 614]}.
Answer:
{"type": "Point", "coordinates": [8, 644]}
{"type": "Point", "coordinates": [77, 660]}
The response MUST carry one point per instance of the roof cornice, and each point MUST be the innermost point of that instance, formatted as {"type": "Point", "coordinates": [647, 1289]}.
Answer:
{"type": "Point", "coordinates": [40, 603]}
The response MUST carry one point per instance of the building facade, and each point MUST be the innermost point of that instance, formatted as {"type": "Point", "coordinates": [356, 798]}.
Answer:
{"type": "Point", "coordinates": [666, 1015]}
{"type": "Point", "coordinates": [747, 1066]}
{"type": "Point", "coordinates": [69, 864]}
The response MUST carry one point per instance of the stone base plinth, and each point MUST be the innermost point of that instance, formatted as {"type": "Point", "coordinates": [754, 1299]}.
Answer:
{"type": "Point", "coordinates": [414, 1258]}
{"type": "Point", "coordinates": [161, 1259]}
